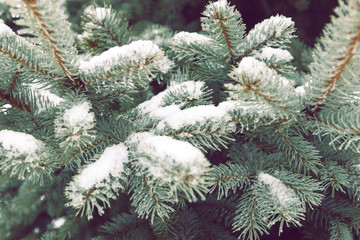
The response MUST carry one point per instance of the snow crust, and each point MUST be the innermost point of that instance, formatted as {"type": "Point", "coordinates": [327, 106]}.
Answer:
{"type": "Point", "coordinates": [110, 163]}
{"type": "Point", "coordinates": [79, 116]}
{"type": "Point", "coordinates": [276, 53]}
{"type": "Point", "coordinates": [191, 38]}
{"type": "Point", "coordinates": [41, 91]}
{"type": "Point", "coordinates": [284, 195]}
{"type": "Point", "coordinates": [191, 88]}
{"type": "Point", "coordinates": [194, 115]}
{"type": "Point", "coordinates": [170, 159]}
{"type": "Point", "coordinates": [135, 51]}
{"type": "Point", "coordinates": [19, 143]}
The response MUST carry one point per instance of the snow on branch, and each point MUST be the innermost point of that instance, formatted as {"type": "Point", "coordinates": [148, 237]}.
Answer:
{"type": "Point", "coordinates": [109, 164]}
{"type": "Point", "coordinates": [257, 81]}
{"type": "Point", "coordinates": [191, 38]}
{"type": "Point", "coordinates": [98, 181]}
{"type": "Point", "coordinates": [18, 143]}
{"type": "Point", "coordinates": [169, 160]}
{"type": "Point", "coordinates": [75, 124]}
{"type": "Point", "coordinates": [286, 197]}
{"type": "Point", "coordinates": [137, 52]}
{"type": "Point", "coordinates": [190, 90]}
{"type": "Point", "coordinates": [24, 156]}
{"type": "Point", "coordinates": [277, 54]}
{"type": "Point", "coordinates": [194, 115]}
{"type": "Point", "coordinates": [6, 30]}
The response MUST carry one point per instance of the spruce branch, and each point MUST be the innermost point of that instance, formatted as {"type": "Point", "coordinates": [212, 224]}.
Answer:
{"type": "Point", "coordinates": [48, 34]}
{"type": "Point", "coordinates": [323, 82]}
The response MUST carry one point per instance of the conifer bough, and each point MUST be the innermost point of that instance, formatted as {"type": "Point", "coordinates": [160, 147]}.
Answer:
{"type": "Point", "coordinates": [251, 134]}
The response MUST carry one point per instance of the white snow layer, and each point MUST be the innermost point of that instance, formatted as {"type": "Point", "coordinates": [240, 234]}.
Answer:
{"type": "Point", "coordinates": [191, 88]}
{"type": "Point", "coordinates": [79, 117]}
{"type": "Point", "coordinates": [284, 195]}
{"type": "Point", "coordinates": [191, 38]}
{"type": "Point", "coordinates": [42, 92]}
{"type": "Point", "coordinates": [19, 142]}
{"type": "Point", "coordinates": [170, 159]}
{"type": "Point", "coordinates": [135, 51]}
{"type": "Point", "coordinates": [194, 115]}
{"type": "Point", "coordinates": [276, 53]}
{"type": "Point", "coordinates": [5, 29]}
{"type": "Point", "coordinates": [110, 163]}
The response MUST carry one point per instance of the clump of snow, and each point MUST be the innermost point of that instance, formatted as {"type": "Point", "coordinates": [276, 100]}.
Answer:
{"type": "Point", "coordinates": [252, 69]}
{"type": "Point", "coordinates": [169, 159]}
{"type": "Point", "coordinates": [18, 143]}
{"type": "Point", "coordinates": [191, 88]}
{"type": "Point", "coordinates": [285, 196]}
{"type": "Point", "coordinates": [194, 115]}
{"type": "Point", "coordinates": [135, 51]}
{"type": "Point", "coordinates": [57, 223]}
{"type": "Point", "coordinates": [110, 163]}
{"type": "Point", "coordinates": [300, 90]}
{"type": "Point", "coordinates": [99, 13]}
{"type": "Point", "coordinates": [191, 38]}
{"type": "Point", "coordinates": [6, 30]}
{"type": "Point", "coordinates": [79, 116]}
{"type": "Point", "coordinates": [42, 92]}
{"type": "Point", "coordinates": [276, 53]}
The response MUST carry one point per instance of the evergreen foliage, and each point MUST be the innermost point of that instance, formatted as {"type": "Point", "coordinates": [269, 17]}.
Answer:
{"type": "Point", "coordinates": [246, 132]}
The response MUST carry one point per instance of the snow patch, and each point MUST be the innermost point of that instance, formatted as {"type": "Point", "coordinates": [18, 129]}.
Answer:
{"type": "Point", "coordinates": [79, 117]}
{"type": "Point", "coordinates": [282, 23]}
{"type": "Point", "coordinates": [284, 195]}
{"type": "Point", "coordinates": [135, 51]}
{"type": "Point", "coordinates": [110, 163]}
{"type": "Point", "coordinates": [276, 53]}
{"type": "Point", "coordinates": [191, 38]}
{"type": "Point", "coordinates": [221, 4]}
{"type": "Point", "coordinates": [99, 13]}
{"type": "Point", "coordinates": [19, 143]}
{"type": "Point", "coordinates": [163, 112]}
{"type": "Point", "coordinates": [6, 30]}
{"type": "Point", "coordinates": [191, 88]}
{"type": "Point", "coordinates": [57, 223]}
{"type": "Point", "coordinates": [170, 159]}
{"type": "Point", "coordinates": [194, 115]}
